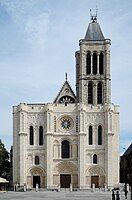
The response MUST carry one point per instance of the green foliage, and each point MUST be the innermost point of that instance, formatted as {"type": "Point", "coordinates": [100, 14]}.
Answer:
{"type": "Point", "coordinates": [4, 162]}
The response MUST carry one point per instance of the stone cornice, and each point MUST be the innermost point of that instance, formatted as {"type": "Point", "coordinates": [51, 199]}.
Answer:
{"type": "Point", "coordinates": [110, 133]}
{"type": "Point", "coordinates": [82, 133]}
{"type": "Point", "coordinates": [22, 133]}
{"type": "Point", "coordinates": [49, 133]}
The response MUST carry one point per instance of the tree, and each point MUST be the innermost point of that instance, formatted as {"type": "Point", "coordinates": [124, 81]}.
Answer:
{"type": "Point", "coordinates": [4, 162]}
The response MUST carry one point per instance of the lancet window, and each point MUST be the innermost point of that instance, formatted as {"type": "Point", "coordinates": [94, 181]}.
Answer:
{"type": "Point", "coordinates": [99, 135]}
{"type": "Point", "coordinates": [31, 135]}
{"type": "Point", "coordinates": [88, 63]}
{"type": "Point", "coordinates": [41, 135]}
{"type": "Point", "coordinates": [99, 93]}
{"type": "Point", "coordinates": [90, 135]}
{"type": "Point", "coordinates": [101, 63]}
{"type": "Point", "coordinates": [90, 93]}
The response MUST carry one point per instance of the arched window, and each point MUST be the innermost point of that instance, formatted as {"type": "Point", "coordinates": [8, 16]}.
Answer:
{"type": "Point", "coordinates": [66, 99]}
{"type": "Point", "coordinates": [99, 93]}
{"type": "Point", "coordinates": [31, 136]}
{"type": "Point", "coordinates": [40, 135]}
{"type": "Point", "coordinates": [99, 135]}
{"type": "Point", "coordinates": [90, 135]}
{"type": "Point", "coordinates": [90, 93]}
{"type": "Point", "coordinates": [94, 159]}
{"type": "Point", "coordinates": [94, 63]}
{"type": "Point", "coordinates": [101, 63]}
{"type": "Point", "coordinates": [88, 63]}
{"type": "Point", "coordinates": [36, 160]}
{"type": "Point", "coordinates": [65, 149]}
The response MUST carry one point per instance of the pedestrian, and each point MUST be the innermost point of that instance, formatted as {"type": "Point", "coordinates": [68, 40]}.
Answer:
{"type": "Point", "coordinates": [126, 192]}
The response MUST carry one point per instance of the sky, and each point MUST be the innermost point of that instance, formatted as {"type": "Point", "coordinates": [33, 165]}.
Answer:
{"type": "Point", "coordinates": [38, 40]}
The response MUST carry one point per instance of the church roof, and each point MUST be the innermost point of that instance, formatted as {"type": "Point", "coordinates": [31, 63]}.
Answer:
{"type": "Point", "coordinates": [66, 90]}
{"type": "Point", "coordinates": [128, 151]}
{"type": "Point", "coordinates": [94, 32]}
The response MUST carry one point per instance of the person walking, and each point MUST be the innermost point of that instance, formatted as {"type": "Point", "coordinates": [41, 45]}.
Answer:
{"type": "Point", "coordinates": [126, 192]}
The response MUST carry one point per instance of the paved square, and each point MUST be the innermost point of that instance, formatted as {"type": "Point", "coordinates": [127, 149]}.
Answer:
{"type": "Point", "coordinates": [49, 195]}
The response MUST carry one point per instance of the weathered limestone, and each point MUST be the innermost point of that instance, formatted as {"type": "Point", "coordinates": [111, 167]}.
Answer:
{"type": "Point", "coordinates": [66, 158]}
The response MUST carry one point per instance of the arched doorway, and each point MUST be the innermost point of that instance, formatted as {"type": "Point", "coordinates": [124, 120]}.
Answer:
{"type": "Point", "coordinates": [35, 176]}
{"type": "Point", "coordinates": [95, 175]}
{"type": "Point", "coordinates": [65, 173]}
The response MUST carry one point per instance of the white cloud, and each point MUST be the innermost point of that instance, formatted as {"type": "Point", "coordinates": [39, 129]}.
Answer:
{"type": "Point", "coordinates": [36, 30]}
{"type": "Point", "coordinates": [18, 9]}
{"type": "Point", "coordinates": [31, 20]}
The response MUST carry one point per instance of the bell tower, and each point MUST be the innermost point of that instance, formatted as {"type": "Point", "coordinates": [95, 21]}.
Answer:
{"type": "Point", "coordinates": [93, 80]}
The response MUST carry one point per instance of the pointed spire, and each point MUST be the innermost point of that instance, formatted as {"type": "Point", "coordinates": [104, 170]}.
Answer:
{"type": "Point", "coordinates": [94, 32]}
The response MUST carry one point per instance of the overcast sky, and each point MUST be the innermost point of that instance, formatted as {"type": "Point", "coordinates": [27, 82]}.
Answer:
{"type": "Point", "coordinates": [38, 40]}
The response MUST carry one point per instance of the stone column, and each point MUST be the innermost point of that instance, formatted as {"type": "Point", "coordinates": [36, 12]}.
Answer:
{"type": "Point", "coordinates": [60, 150]}
{"type": "Point", "coordinates": [49, 160]}
{"type": "Point", "coordinates": [81, 160]}
{"type": "Point", "coordinates": [108, 77]}
{"type": "Point", "coordinates": [49, 151]}
{"type": "Point", "coordinates": [23, 147]}
{"type": "Point", "coordinates": [94, 93]}
{"type": "Point", "coordinates": [22, 139]}
{"type": "Point", "coordinates": [81, 152]}
{"type": "Point", "coordinates": [36, 135]}
{"type": "Point", "coordinates": [108, 151]}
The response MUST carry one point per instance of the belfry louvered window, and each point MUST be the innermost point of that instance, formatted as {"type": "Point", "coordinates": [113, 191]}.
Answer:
{"type": "Point", "coordinates": [99, 93]}
{"type": "Point", "coordinates": [101, 63]}
{"type": "Point", "coordinates": [90, 93]}
{"type": "Point", "coordinates": [90, 135]}
{"type": "Point", "coordinates": [99, 135]}
{"type": "Point", "coordinates": [31, 136]}
{"type": "Point", "coordinates": [88, 63]}
{"type": "Point", "coordinates": [40, 135]}
{"type": "Point", "coordinates": [94, 63]}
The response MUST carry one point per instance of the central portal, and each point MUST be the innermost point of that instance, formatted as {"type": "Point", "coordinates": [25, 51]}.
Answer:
{"type": "Point", "coordinates": [65, 180]}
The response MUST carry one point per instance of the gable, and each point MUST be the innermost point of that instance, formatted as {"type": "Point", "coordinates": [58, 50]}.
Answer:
{"type": "Point", "coordinates": [66, 94]}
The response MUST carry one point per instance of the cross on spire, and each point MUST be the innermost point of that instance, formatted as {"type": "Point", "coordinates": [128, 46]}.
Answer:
{"type": "Point", "coordinates": [94, 16]}
{"type": "Point", "coordinates": [66, 76]}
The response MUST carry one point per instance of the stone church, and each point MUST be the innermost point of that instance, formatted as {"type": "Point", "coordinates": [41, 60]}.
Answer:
{"type": "Point", "coordinates": [74, 139]}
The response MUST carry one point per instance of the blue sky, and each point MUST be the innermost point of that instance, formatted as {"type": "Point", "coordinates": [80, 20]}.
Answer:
{"type": "Point", "coordinates": [38, 39]}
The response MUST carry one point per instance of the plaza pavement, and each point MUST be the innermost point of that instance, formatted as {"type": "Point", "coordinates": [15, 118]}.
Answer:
{"type": "Point", "coordinates": [63, 195]}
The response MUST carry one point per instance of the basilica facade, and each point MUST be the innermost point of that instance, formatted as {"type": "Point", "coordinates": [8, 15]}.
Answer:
{"type": "Point", "coordinates": [74, 139]}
